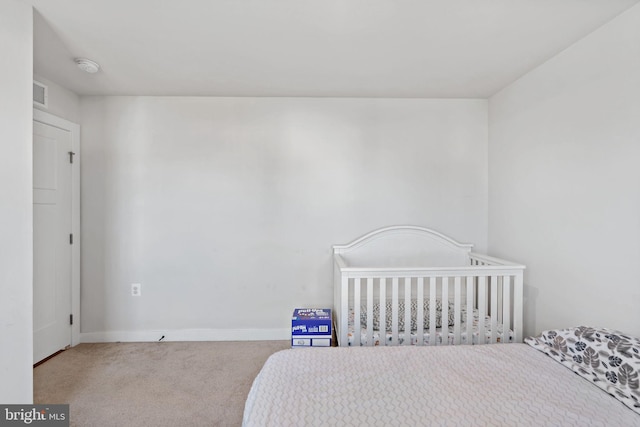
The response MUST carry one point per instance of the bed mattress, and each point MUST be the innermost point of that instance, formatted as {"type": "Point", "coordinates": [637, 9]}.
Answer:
{"type": "Point", "coordinates": [447, 385]}
{"type": "Point", "coordinates": [440, 333]}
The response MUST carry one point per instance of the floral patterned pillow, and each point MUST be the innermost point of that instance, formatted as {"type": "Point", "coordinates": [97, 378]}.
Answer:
{"type": "Point", "coordinates": [401, 315]}
{"type": "Point", "coordinates": [608, 358]}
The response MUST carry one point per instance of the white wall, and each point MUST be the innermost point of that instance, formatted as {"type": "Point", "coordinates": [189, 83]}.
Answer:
{"type": "Point", "coordinates": [61, 102]}
{"type": "Point", "coordinates": [225, 209]}
{"type": "Point", "coordinates": [564, 181]}
{"type": "Point", "coordinates": [16, 237]}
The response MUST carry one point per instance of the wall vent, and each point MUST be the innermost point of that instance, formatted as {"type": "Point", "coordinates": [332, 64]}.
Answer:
{"type": "Point", "coordinates": [40, 94]}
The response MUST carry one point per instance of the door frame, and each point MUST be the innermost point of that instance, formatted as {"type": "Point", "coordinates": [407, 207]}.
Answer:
{"type": "Point", "coordinates": [55, 121]}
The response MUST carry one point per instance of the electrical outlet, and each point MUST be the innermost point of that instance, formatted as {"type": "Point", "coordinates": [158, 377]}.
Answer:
{"type": "Point", "coordinates": [136, 289]}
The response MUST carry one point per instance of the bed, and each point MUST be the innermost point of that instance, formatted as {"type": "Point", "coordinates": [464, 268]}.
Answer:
{"type": "Point", "coordinates": [410, 285]}
{"type": "Point", "coordinates": [532, 383]}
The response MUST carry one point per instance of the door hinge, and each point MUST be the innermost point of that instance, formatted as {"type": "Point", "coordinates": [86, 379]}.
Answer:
{"type": "Point", "coordinates": [71, 319]}
{"type": "Point", "coordinates": [71, 154]}
{"type": "Point", "coordinates": [71, 239]}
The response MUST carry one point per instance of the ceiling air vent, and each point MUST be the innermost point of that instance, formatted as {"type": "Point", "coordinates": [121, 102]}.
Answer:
{"type": "Point", "coordinates": [40, 94]}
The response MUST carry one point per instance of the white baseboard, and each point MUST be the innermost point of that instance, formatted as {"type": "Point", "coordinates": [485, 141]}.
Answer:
{"type": "Point", "coordinates": [187, 335]}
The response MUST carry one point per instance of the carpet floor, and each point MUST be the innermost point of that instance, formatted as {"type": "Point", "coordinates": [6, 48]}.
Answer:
{"type": "Point", "coordinates": [154, 384]}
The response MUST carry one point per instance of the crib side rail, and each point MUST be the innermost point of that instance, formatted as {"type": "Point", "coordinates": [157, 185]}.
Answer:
{"type": "Point", "coordinates": [482, 259]}
{"type": "Point", "coordinates": [494, 290]}
{"type": "Point", "coordinates": [478, 259]}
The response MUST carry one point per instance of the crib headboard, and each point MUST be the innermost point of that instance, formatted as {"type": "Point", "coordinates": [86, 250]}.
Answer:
{"type": "Point", "coordinates": [404, 246]}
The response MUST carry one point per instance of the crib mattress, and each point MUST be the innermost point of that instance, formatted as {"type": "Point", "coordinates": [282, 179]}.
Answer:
{"type": "Point", "coordinates": [440, 333]}
{"type": "Point", "coordinates": [447, 385]}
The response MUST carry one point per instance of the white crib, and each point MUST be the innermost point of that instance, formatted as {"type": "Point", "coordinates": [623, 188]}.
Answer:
{"type": "Point", "coordinates": [389, 286]}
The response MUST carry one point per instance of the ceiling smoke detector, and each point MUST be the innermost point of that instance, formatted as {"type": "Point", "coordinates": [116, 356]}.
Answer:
{"type": "Point", "coordinates": [87, 65]}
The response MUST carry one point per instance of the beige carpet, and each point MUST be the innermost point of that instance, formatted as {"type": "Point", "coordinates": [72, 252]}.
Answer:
{"type": "Point", "coordinates": [154, 384]}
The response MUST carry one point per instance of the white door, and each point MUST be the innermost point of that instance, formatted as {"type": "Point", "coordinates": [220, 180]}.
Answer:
{"type": "Point", "coordinates": [51, 240]}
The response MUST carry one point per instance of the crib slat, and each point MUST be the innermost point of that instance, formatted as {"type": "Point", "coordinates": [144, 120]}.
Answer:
{"type": "Point", "coordinates": [407, 311]}
{"type": "Point", "coordinates": [475, 291]}
{"type": "Point", "coordinates": [471, 292]}
{"type": "Point", "coordinates": [370, 311]}
{"type": "Point", "coordinates": [486, 297]}
{"type": "Point", "coordinates": [506, 307]}
{"type": "Point", "coordinates": [357, 301]}
{"type": "Point", "coordinates": [500, 299]}
{"type": "Point", "coordinates": [517, 307]}
{"type": "Point", "coordinates": [482, 308]}
{"type": "Point", "coordinates": [494, 305]}
{"type": "Point", "coordinates": [394, 313]}
{"type": "Point", "coordinates": [344, 312]}
{"type": "Point", "coordinates": [432, 311]}
{"type": "Point", "coordinates": [445, 311]}
{"type": "Point", "coordinates": [383, 311]}
{"type": "Point", "coordinates": [420, 314]}
{"type": "Point", "coordinates": [456, 310]}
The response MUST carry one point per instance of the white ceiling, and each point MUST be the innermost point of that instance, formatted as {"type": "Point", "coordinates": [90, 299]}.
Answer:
{"type": "Point", "coordinates": [337, 48]}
